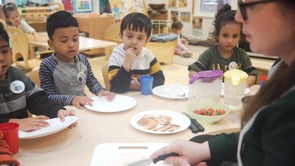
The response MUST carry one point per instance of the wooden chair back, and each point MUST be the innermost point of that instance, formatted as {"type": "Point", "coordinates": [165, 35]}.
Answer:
{"type": "Point", "coordinates": [34, 76]}
{"type": "Point", "coordinates": [20, 47]}
{"type": "Point", "coordinates": [106, 79]}
{"type": "Point", "coordinates": [164, 51]}
{"type": "Point", "coordinates": [112, 33]}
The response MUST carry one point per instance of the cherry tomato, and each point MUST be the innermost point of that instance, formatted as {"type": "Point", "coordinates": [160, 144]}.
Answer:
{"type": "Point", "coordinates": [209, 111]}
{"type": "Point", "coordinates": [203, 111]}
{"type": "Point", "coordinates": [221, 111]}
{"type": "Point", "coordinates": [197, 111]}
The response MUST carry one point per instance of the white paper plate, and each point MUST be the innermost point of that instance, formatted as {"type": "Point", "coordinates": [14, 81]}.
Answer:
{"type": "Point", "coordinates": [55, 125]}
{"type": "Point", "coordinates": [122, 154]}
{"type": "Point", "coordinates": [120, 103]}
{"type": "Point", "coordinates": [247, 90]}
{"type": "Point", "coordinates": [174, 91]}
{"type": "Point", "coordinates": [177, 118]}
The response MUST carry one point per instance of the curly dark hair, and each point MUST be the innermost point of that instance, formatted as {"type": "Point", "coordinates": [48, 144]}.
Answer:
{"type": "Point", "coordinates": [224, 16]}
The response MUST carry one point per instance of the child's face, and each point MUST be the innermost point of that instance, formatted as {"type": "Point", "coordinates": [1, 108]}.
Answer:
{"type": "Point", "coordinates": [134, 39]}
{"type": "Point", "coordinates": [176, 31]}
{"type": "Point", "coordinates": [5, 58]}
{"type": "Point", "coordinates": [14, 18]}
{"type": "Point", "coordinates": [229, 36]}
{"type": "Point", "coordinates": [65, 43]}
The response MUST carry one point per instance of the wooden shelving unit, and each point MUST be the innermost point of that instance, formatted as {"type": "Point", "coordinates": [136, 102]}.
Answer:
{"type": "Point", "coordinates": [36, 16]}
{"type": "Point", "coordinates": [159, 19]}
{"type": "Point", "coordinates": [39, 14]}
{"type": "Point", "coordinates": [160, 26]}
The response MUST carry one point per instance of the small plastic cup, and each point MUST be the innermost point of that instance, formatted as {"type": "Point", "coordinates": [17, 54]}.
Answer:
{"type": "Point", "coordinates": [10, 135]}
{"type": "Point", "coordinates": [146, 84]}
{"type": "Point", "coordinates": [263, 80]}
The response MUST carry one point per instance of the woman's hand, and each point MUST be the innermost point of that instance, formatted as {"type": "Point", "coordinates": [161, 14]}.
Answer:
{"type": "Point", "coordinates": [80, 101]}
{"type": "Point", "coordinates": [189, 153]}
{"type": "Point", "coordinates": [110, 95]}
{"type": "Point", "coordinates": [32, 123]}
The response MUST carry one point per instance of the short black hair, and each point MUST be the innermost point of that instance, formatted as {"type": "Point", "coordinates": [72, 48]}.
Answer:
{"type": "Point", "coordinates": [60, 19]}
{"type": "Point", "coordinates": [3, 33]}
{"type": "Point", "coordinates": [136, 22]}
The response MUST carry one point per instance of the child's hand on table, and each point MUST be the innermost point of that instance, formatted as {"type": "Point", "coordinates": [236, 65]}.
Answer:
{"type": "Point", "coordinates": [79, 101]}
{"type": "Point", "coordinates": [110, 95]}
{"type": "Point", "coordinates": [62, 113]}
{"type": "Point", "coordinates": [32, 123]}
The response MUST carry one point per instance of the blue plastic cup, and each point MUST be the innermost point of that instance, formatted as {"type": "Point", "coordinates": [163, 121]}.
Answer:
{"type": "Point", "coordinates": [146, 84]}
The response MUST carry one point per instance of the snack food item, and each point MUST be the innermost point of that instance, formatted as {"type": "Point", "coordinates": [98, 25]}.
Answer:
{"type": "Point", "coordinates": [209, 111]}
{"type": "Point", "coordinates": [163, 119]}
{"type": "Point", "coordinates": [160, 123]}
{"type": "Point", "coordinates": [167, 128]}
{"type": "Point", "coordinates": [149, 122]}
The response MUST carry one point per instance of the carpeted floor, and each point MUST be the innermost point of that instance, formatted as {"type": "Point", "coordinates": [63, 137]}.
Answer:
{"type": "Point", "coordinates": [197, 50]}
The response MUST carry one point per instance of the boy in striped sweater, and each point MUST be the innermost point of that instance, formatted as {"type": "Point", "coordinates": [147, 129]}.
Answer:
{"type": "Point", "coordinates": [65, 73]}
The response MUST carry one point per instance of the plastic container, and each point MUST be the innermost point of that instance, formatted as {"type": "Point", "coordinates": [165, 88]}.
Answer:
{"type": "Point", "coordinates": [10, 135]}
{"type": "Point", "coordinates": [234, 88]}
{"type": "Point", "coordinates": [208, 119]}
{"type": "Point", "coordinates": [146, 84]}
{"type": "Point", "coordinates": [263, 79]}
{"type": "Point", "coordinates": [205, 86]}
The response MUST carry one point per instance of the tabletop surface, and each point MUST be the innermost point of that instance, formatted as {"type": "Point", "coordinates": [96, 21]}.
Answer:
{"type": "Point", "coordinates": [85, 42]}
{"type": "Point", "coordinates": [76, 146]}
